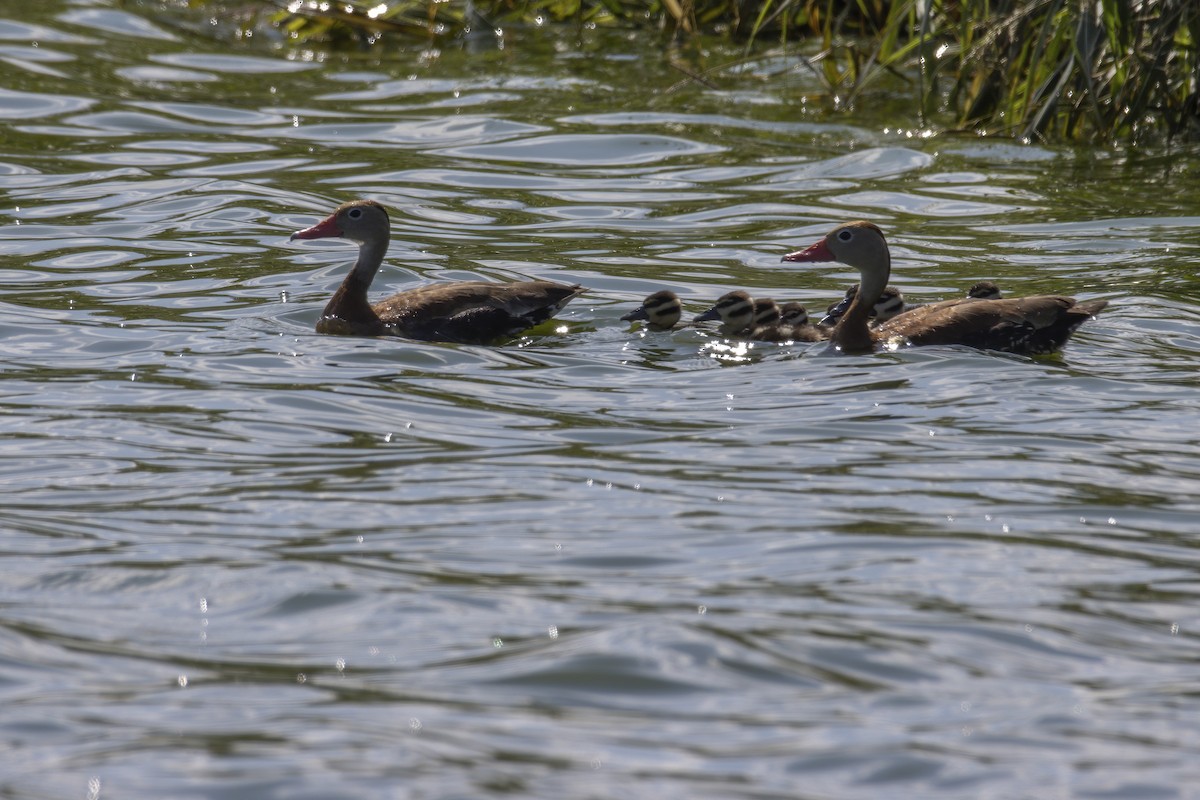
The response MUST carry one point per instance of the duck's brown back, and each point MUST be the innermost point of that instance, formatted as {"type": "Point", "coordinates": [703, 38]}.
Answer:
{"type": "Point", "coordinates": [472, 311]}
{"type": "Point", "coordinates": [1027, 325]}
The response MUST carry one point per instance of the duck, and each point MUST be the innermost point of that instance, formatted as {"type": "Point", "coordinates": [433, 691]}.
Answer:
{"type": "Point", "coordinates": [891, 303]}
{"type": "Point", "coordinates": [766, 312]}
{"type": "Point", "coordinates": [985, 290]}
{"type": "Point", "coordinates": [466, 312]}
{"type": "Point", "coordinates": [793, 314]}
{"type": "Point", "coordinates": [661, 311]}
{"type": "Point", "coordinates": [761, 320]}
{"type": "Point", "coordinates": [734, 309]}
{"type": "Point", "coordinates": [793, 326]}
{"type": "Point", "coordinates": [784, 331]}
{"type": "Point", "coordinates": [1034, 325]}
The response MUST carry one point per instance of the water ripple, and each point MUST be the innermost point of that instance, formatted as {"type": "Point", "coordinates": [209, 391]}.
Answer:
{"type": "Point", "coordinates": [596, 555]}
{"type": "Point", "coordinates": [26, 105]}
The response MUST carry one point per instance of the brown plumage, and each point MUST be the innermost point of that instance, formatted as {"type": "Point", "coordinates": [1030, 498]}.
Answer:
{"type": "Point", "coordinates": [766, 312]}
{"type": "Point", "coordinates": [890, 304]}
{"type": "Point", "coordinates": [735, 310]}
{"type": "Point", "coordinates": [759, 320]}
{"type": "Point", "coordinates": [661, 311]}
{"type": "Point", "coordinates": [985, 290]}
{"type": "Point", "coordinates": [472, 312]}
{"type": "Point", "coordinates": [784, 332]}
{"type": "Point", "coordinates": [793, 314]}
{"type": "Point", "coordinates": [1028, 325]}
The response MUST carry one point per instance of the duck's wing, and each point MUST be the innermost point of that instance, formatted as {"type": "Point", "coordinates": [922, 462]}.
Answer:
{"type": "Point", "coordinates": [1029, 325]}
{"type": "Point", "coordinates": [473, 311]}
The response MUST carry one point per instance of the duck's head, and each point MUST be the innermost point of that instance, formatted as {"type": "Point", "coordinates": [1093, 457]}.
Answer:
{"type": "Point", "coordinates": [661, 309]}
{"type": "Point", "coordinates": [734, 309]}
{"type": "Point", "coordinates": [889, 304]}
{"type": "Point", "coordinates": [766, 312]}
{"type": "Point", "coordinates": [793, 314]}
{"type": "Point", "coordinates": [358, 221]}
{"type": "Point", "coordinates": [856, 244]}
{"type": "Point", "coordinates": [985, 290]}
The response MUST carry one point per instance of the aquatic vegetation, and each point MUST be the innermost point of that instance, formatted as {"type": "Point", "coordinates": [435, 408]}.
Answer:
{"type": "Point", "coordinates": [1106, 71]}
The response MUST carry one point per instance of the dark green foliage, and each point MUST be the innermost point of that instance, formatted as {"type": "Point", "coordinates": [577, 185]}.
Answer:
{"type": "Point", "coordinates": [1112, 70]}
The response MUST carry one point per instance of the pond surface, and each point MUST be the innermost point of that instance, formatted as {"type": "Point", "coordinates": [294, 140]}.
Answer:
{"type": "Point", "coordinates": [242, 560]}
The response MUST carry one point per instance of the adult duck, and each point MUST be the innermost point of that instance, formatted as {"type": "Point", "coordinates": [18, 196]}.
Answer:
{"type": "Point", "coordinates": [471, 312]}
{"type": "Point", "coordinates": [1027, 325]}
{"type": "Point", "coordinates": [661, 311]}
{"type": "Point", "coordinates": [892, 303]}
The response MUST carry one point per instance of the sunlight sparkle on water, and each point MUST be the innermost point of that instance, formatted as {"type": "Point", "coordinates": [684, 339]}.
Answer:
{"type": "Point", "coordinates": [724, 350]}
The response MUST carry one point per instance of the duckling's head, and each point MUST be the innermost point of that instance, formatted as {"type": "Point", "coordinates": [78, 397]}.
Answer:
{"type": "Point", "coordinates": [766, 312]}
{"type": "Point", "coordinates": [734, 309]}
{"type": "Point", "coordinates": [889, 304]}
{"type": "Point", "coordinates": [660, 310]}
{"type": "Point", "coordinates": [793, 314]}
{"type": "Point", "coordinates": [985, 290]}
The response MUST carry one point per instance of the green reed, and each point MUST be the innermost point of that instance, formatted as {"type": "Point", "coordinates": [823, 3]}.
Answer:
{"type": "Point", "coordinates": [1074, 70]}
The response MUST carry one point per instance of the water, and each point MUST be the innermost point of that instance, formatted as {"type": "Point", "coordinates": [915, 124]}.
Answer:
{"type": "Point", "coordinates": [241, 560]}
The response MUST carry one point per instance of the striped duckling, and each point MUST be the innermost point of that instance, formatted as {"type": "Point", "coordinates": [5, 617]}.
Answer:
{"type": "Point", "coordinates": [793, 314]}
{"type": "Point", "coordinates": [890, 304]}
{"type": "Point", "coordinates": [766, 312]}
{"type": "Point", "coordinates": [661, 311]}
{"type": "Point", "coordinates": [985, 290]}
{"type": "Point", "coordinates": [734, 309]}
{"type": "Point", "coordinates": [793, 326]}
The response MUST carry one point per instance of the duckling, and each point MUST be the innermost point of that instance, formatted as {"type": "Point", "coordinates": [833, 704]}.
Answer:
{"type": "Point", "coordinates": [985, 290]}
{"type": "Point", "coordinates": [793, 314]}
{"type": "Point", "coordinates": [661, 311]}
{"type": "Point", "coordinates": [765, 313]}
{"type": "Point", "coordinates": [735, 310]}
{"type": "Point", "coordinates": [890, 304]}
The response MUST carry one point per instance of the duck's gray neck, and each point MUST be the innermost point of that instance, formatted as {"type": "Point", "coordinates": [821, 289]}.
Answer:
{"type": "Point", "coordinates": [853, 332]}
{"type": "Point", "coordinates": [370, 257]}
{"type": "Point", "coordinates": [349, 303]}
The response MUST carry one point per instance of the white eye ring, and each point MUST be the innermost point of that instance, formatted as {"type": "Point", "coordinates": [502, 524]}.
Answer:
{"type": "Point", "coordinates": [355, 213]}
{"type": "Point", "coordinates": [845, 236]}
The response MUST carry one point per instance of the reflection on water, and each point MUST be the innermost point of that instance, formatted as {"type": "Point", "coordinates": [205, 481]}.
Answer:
{"type": "Point", "coordinates": [245, 560]}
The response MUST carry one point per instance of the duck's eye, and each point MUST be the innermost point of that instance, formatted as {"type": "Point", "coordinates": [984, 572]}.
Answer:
{"type": "Point", "coordinates": [354, 213]}
{"type": "Point", "coordinates": [845, 236]}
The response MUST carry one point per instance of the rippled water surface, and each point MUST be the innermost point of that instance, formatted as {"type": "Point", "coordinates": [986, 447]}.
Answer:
{"type": "Point", "coordinates": [241, 560]}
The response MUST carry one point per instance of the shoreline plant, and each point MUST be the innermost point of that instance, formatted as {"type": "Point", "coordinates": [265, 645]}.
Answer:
{"type": "Point", "coordinates": [1100, 71]}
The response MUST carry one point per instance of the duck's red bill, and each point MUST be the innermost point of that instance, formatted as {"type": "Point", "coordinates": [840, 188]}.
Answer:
{"type": "Point", "coordinates": [816, 252]}
{"type": "Point", "coordinates": [326, 227]}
